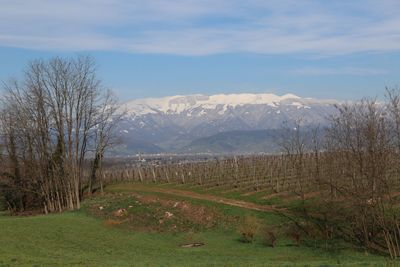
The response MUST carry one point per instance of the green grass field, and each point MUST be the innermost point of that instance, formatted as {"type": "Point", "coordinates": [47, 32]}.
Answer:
{"type": "Point", "coordinates": [93, 236]}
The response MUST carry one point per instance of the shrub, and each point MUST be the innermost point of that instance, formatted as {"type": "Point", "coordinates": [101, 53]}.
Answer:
{"type": "Point", "coordinates": [270, 236]}
{"type": "Point", "coordinates": [294, 233]}
{"type": "Point", "coordinates": [248, 229]}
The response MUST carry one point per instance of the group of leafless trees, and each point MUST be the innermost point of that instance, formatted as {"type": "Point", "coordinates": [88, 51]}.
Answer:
{"type": "Point", "coordinates": [356, 174]}
{"type": "Point", "coordinates": [55, 126]}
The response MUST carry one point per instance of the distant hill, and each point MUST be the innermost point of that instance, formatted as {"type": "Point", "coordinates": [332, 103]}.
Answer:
{"type": "Point", "coordinates": [255, 141]}
{"type": "Point", "coordinates": [128, 147]}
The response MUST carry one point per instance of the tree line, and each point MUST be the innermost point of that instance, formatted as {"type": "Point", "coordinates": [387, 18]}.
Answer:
{"type": "Point", "coordinates": [56, 124]}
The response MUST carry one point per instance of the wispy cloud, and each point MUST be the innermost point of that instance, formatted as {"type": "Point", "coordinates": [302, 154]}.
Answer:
{"type": "Point", "coordinates": [201, 27]}
{"type": "Point", "coordinates": [340, 71]}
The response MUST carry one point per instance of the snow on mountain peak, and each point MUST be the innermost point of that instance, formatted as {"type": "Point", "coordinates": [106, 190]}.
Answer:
{"type": "Point", "coordinates": [178, 104]}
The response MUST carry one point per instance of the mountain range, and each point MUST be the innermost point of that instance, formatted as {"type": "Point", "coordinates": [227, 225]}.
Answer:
{"type": "Point", "coordinates": [223, 123]}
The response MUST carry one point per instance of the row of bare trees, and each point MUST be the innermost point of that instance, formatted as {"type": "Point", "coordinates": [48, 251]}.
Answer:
{"type": "Point", "coordinates": [55, 127]}
{"type": "Point", "coordinates": [356, 175]}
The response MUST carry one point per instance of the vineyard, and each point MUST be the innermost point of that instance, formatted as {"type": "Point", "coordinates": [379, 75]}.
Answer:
{"type": "Point", "coordinates": [246, 173]}
{"type": "Point", "coordinates": [279, 173]}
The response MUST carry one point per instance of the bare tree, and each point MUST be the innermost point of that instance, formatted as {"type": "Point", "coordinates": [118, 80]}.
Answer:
{"type": "Point", "coordinates": [104, 136]}
{"type": "Point", "coordinates": [357, 167]}
{"type": "Point", "coordinates": [294, 144]}
{"type": "Point", "coordinates": [52, 122]}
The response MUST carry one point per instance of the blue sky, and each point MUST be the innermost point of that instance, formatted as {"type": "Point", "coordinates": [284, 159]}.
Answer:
{"type": "Point", "coordinates": [325, 49]}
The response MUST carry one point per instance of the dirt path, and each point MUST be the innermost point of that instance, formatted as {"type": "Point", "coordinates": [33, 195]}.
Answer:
{"type": "Point", "coordinates": [194, 195]}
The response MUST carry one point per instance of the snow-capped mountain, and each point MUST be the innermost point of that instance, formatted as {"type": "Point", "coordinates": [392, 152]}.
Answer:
{"type": "Point", "coordinates": [189, 104]}
{"type": "Point", "coordinates": [173, 123]}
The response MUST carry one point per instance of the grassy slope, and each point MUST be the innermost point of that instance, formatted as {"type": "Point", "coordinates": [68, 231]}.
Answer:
{"type": "Point", "coordinates": [74, 238]}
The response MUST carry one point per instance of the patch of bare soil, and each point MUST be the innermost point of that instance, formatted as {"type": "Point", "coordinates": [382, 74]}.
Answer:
{"type": "Point", "coordinates": [149, 213]}
{"type": "Point", "coordinates": [111, 222]}
{"type": "Point", "coordinates": [119, 213]}
{"type": "Point", "coordinates": [194, 213]}
{"type": "Point", "coordinates": [192, 245]}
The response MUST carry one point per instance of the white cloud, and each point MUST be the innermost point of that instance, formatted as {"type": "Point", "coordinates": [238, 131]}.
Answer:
{"type": "Point", "coordinates": [200, 27]}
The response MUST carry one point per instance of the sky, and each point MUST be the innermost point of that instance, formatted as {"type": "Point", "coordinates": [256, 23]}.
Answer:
{"type": "Point", "coordinates": [324, 49]}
